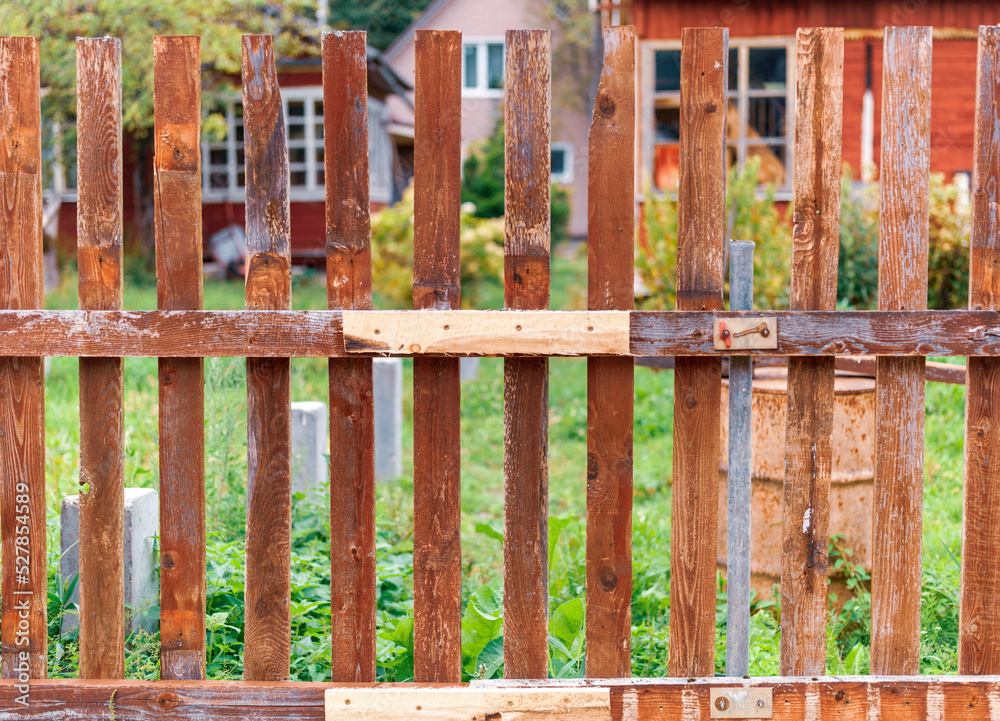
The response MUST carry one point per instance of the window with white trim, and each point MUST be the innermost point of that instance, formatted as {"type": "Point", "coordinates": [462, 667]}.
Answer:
{"type": "Point", "coordinates": [562, 163]}
{"type": "Point", "coordinates": [760, 125]}
{"type": "Point", "coordinates": [483, 67]}
{"type": "Point", "coordinates": [223, 174]}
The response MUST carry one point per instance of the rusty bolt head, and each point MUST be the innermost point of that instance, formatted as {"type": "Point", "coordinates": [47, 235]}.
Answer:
{"type": "Point", "coordinates": [722, 703]}
{"type": "Point", "coordinates": [724, 333]}
{"type": "Point", "coordinates": [765, 332]}
{"type": "Point", "coordinates": [760, 703]}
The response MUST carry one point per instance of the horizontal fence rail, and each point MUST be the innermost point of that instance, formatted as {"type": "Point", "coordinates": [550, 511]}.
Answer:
{"type": "Point", "coordinates": [696, 338]}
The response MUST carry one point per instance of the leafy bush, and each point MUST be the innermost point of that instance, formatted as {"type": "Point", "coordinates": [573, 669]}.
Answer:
{"type": "Point", "coordinates": [748, 217]}
{"type": "Point", "coordinates": [481, 253]}
{"type": "Point", "coordinates": [948, 246]}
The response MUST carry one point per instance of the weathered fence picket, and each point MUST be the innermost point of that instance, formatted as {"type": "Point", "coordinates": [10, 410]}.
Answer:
{"type": "Point", "coordinates": [897, 525]}
{"type": "Point", "coordinates": [22, 381]}
{"type": "Point", "coordinates": [267, 333]}
{"type": "Point", "coordinates": [701, 225]}
{"type": "Point", "coordinates": [102, 460]}
{"type": "Point", "coordinates": [809, 426]}
{"type": "Point", "coordinates": [527, 101]}
{"type": "Point", "coordinates": [437, 390]}
{"type": "Point", "coordinates": [352, 429]}
{"type": "Point", "coordinates": [177, 198]}
{"type": "Point", "coordinates": [610, 258]}
{"type": "Point", "coordinates": [979, 611]}
{"type": "Point", "coordinates": [268, 631]}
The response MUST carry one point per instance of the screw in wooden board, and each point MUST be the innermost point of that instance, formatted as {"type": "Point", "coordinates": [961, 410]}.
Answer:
{"type": "Point", "coordinates": [760, 703]}
{"type": "Point", "coordinates": [722, 703]}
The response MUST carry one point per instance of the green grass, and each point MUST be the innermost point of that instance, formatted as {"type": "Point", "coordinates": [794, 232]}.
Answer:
{"type": "Point", "coordinates": [482, 513]}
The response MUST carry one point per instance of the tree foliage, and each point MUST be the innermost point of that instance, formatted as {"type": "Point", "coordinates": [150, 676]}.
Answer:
{"type": "Point", "coordinates": [220, 23]}
{"type": "Point", "coordinates": [384, 20]}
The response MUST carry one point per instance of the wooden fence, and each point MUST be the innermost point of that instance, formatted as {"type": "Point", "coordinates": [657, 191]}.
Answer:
{"type": "Point", "coordinates": [902, 332]}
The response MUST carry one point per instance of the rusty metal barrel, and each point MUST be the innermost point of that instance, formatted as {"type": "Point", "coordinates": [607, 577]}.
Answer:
{"type": "Point", "coordinates": [851, 483]}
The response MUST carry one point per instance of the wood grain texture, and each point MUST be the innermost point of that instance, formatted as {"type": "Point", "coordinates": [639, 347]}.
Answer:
{"type": "Point", "coordinates": [99, 243]}
{"type": "Point", "coordinates": [859, 698]}
{"type": "Point", "coordinates": [464, 703]}
{"type": "Point", "coordinates": [352, 430]}
{"type": "Point", "coordinates": [698, 382]}
{"type": "Point", "coordinates": [610, 252]}
{"type": "Point", "coordinates": [23, 589]}
{"type": "Point", "coordinates": [527, 104]}
{"type": "Point", "coordinates": [267, 651]}
{"type": "Point", "coordinates": [177, 200]}
{"type": "Point", "coordinates": [437, 392]}
{"type": "Point", "coordinates": [657, 335]}
{"type": "Point", "coordinates": [979, 607]}
{"type": "Point", "coordinates": [487, 332]}
{"type": "Point", "coordinates": [897, 524]}
{"type": "Point", "coordinates": [809, 422]}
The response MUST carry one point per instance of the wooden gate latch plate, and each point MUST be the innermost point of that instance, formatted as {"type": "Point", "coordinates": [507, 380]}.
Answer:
{"type": "Point", "coordinates": [742, 703]}
{"type": "Point", "coordinates": [745, 333]}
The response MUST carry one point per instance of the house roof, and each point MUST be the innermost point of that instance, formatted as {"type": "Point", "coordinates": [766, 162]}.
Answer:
{"type": "Point", "coordinates": [422, 21]}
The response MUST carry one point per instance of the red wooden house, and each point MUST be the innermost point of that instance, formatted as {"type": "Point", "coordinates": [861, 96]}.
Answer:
{"type": "Point", "coordinates": [762, 77]}
{"type": "Point", "coordinates": [390, 152]}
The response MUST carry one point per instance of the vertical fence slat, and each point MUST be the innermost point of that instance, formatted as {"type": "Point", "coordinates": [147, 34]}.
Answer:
{"type": "Point", "coordinates": [809, 430]}
{"type": "Point", "coordinates": [177, 199]}
{"type": "Point", "coordinates": [698, 381]}
{"type": "Point", "coordinates": [268, 287]}
{"type": "Point", "coordinates": [526, 385]}
{"type": "Point", "coordinates": [610, 381]}
{"type": "Point", "coordinates": [979, 635]}
{"type": "Point", "coordinates": [437, 539]}
{"type": "Point", "coordinates": [899, 395]}
{"type": "Point", "coordinates": [99, 242]}
{"type": "Point", "coordinates": [352, 431]}
{"type": "Point", "coordinates": [22, 381]}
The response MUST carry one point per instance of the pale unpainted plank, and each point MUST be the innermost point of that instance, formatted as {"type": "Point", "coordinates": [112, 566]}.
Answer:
{"type": "Point", "coordinates": [487, 332]}
{"type": "Point", "coordinates": [527, 106]}
{"type": "Point", "coordinates": [979, 605]}
{"type": "Point", "coordinates": [808, 437]}
{"type": "Point", "coordinates": [437, 538]}
{"type": "Point", "coordinates": [610, 253]}
{"type": "Point", "coordinates": [698, 382]}
{"type": "Point", "coordinates": [899, 395]}
{"type": "Point", "coordinates": [348, 274]}
{"type": "Point", "coordinates": [267, 651]}
{"type": "Point", "coordinates": [177, 201]}
{"type": "Point", "coordinates": [23, 588]}
{"type": "Point", "coordinates": [99, 244]}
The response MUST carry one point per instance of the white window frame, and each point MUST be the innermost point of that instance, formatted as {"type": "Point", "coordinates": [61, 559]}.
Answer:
{"type": "Point", "coordinates": [482, 67]}
{"type": "Point", "coordinates": [380, 179]}
{"type": "Point", "coordinates": [565, 177]}
{"type": "Point", "coordinates": [742, 95]}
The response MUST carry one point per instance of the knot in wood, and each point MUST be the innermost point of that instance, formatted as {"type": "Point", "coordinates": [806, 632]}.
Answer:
{"type": "Point", "coordinates": [710, 108]}
{"type": "Point", "coordinates": [609, 579]}
{"type": "Point", "coordinates": [606, 105]}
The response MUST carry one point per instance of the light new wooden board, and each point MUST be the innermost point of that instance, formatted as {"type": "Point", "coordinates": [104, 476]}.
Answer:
{"type": "Point", "coordinates": [462, 704]}
{"type": "Point", "coordinates": [488, 332]}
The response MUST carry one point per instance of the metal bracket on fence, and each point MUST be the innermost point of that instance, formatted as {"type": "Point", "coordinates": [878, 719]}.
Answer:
{"type": "Point", "coordinates": [745, 333]}
{"type": "Point", "coordinates": [743, 703]}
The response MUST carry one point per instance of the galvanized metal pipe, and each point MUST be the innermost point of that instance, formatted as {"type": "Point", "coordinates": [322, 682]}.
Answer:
{"type": "Point", "coordinates": [738, 534]}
